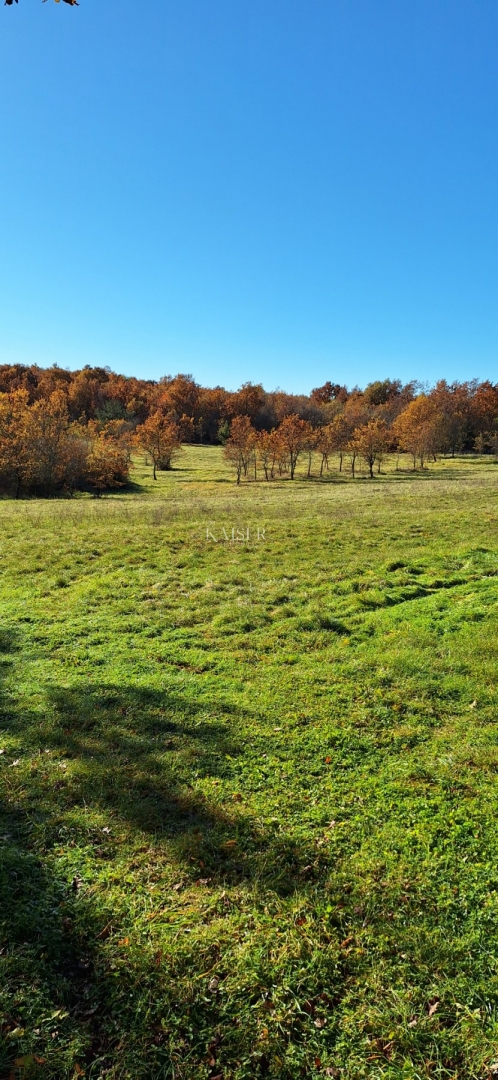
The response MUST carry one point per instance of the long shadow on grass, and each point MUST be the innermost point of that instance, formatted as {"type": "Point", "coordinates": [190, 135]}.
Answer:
{"type": "Point", "coordinates": [47, 938]}
{"type": "Point", "coordinates": [144, 759]}
{"type": "Point", "coordinates": [130, 757]}
{"type": "Point", "coordinates": [54, 1009]}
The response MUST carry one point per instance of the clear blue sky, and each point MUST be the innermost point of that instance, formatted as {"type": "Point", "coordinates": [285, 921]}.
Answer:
{"type": "Point", "coordinates": [282, 191]}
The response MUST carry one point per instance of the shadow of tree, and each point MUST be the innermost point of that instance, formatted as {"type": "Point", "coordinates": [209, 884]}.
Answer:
{"type": "Point", "coordinates": [133, 756]}
{"type": "Point", "coordinates": [136, 755]}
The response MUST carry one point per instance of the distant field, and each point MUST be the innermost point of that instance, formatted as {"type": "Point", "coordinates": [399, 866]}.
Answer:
{"type": "Point", "coordinates": [249, 790]}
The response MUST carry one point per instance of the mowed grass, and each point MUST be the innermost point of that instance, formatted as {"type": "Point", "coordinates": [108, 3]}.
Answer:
{"type": "Point", "coordinates": [249, 790]}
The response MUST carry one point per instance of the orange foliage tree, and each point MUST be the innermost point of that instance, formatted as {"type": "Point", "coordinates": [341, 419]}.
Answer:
{"type": "Point", "coordinates": [267, 449]}
{"type": "Point", "coordinates": [42, 452]}
{"type": "Point", "coordinates": [293, 434]}
{"type": "Point", "coordinates": [416, 429]}
{"type": "Point", "coordinates": [239, 449]}
{"type": "Point", "coordinates": [159, 436]}
{"type": "Point", "coordinates": [371, 441]}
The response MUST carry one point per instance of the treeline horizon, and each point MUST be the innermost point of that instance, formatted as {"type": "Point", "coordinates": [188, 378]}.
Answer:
{"type": "Point", "coordinates": [64, 431]}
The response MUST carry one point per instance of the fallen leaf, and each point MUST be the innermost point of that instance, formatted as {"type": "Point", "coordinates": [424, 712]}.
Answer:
{"type": "Point", "coordinates": [17, 1033]}
{"type": "Point", "coordinates": [413, 1023]}
{"type": "Point", "coordinates": [230, 844]}
{"type": "Point", "coordinates": [328, 760]}
{"type": "Point", "coordinates": [17, 762]}
{"type": "Point", "coordinates": [473, 705]}
{"type": "Point", "coordinates": [106, 829]}
{"type": "Point", "coordinates": [320, 1022]}
{"type": "Point", "coordinates": [433, 1006]}
{"type": "Point", "coordinates": [124, 941]}
{"type": "Point", "coordinates": [347, 941]}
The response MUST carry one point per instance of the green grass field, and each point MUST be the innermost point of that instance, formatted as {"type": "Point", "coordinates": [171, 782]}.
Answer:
{"type": "Point", "coordinates": [249, 790]}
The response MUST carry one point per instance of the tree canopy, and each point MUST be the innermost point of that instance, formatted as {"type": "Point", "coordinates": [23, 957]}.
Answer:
{"type": "Point", "coordinates": [73, 3]}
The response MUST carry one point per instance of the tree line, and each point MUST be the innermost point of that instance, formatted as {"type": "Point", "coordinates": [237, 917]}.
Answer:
{"type": "Point", "coordinates": [63, 431]}
{"type": "Point", "coordinates": [444, 421]}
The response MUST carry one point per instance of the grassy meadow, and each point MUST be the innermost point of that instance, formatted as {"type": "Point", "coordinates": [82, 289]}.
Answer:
{"type": "Point", "coordinates": [249, 789]}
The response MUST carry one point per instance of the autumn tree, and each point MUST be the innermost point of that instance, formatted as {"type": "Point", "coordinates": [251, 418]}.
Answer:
{"type": "Point", "coordinates": [370, 442]}
{"type": "Point", "coordinates": [339, 431]}
{"type": "Point", "coordinates": [310, 443]}
{"type": "Point", "coordinates": [50, 441]}
{"type": "Point", "coordinates": [324, 445]}
{"type": "Point", "coordinates": [108, 459]}
{"type": "Point", "coordinates": [451, 404]}
{"type": "Point", "coordinates": [159, 436]}
{"type": "Point", "coordinates": [239, 449]}
{"type": "Point", "coordinates": [267, 448]}
{"type": "Point", "coordinates": [293, 434]}
{"type": "Point", "coordinates": [322, 395]}
{"type": "Point", "coordinates": [15, 461]}
{"type": "Point", "coordinates": [179, 396]}
{"type": "Point", "coordinates": [416, 429]}
{"type": "Point", "coordinates": [213, 410]}
{"type": "Point", "coordinates": [248, 401]}
{"type": "Point", "coordinates": [484, 411]}
{"type": "Point", "coordinates": [43, 452]}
